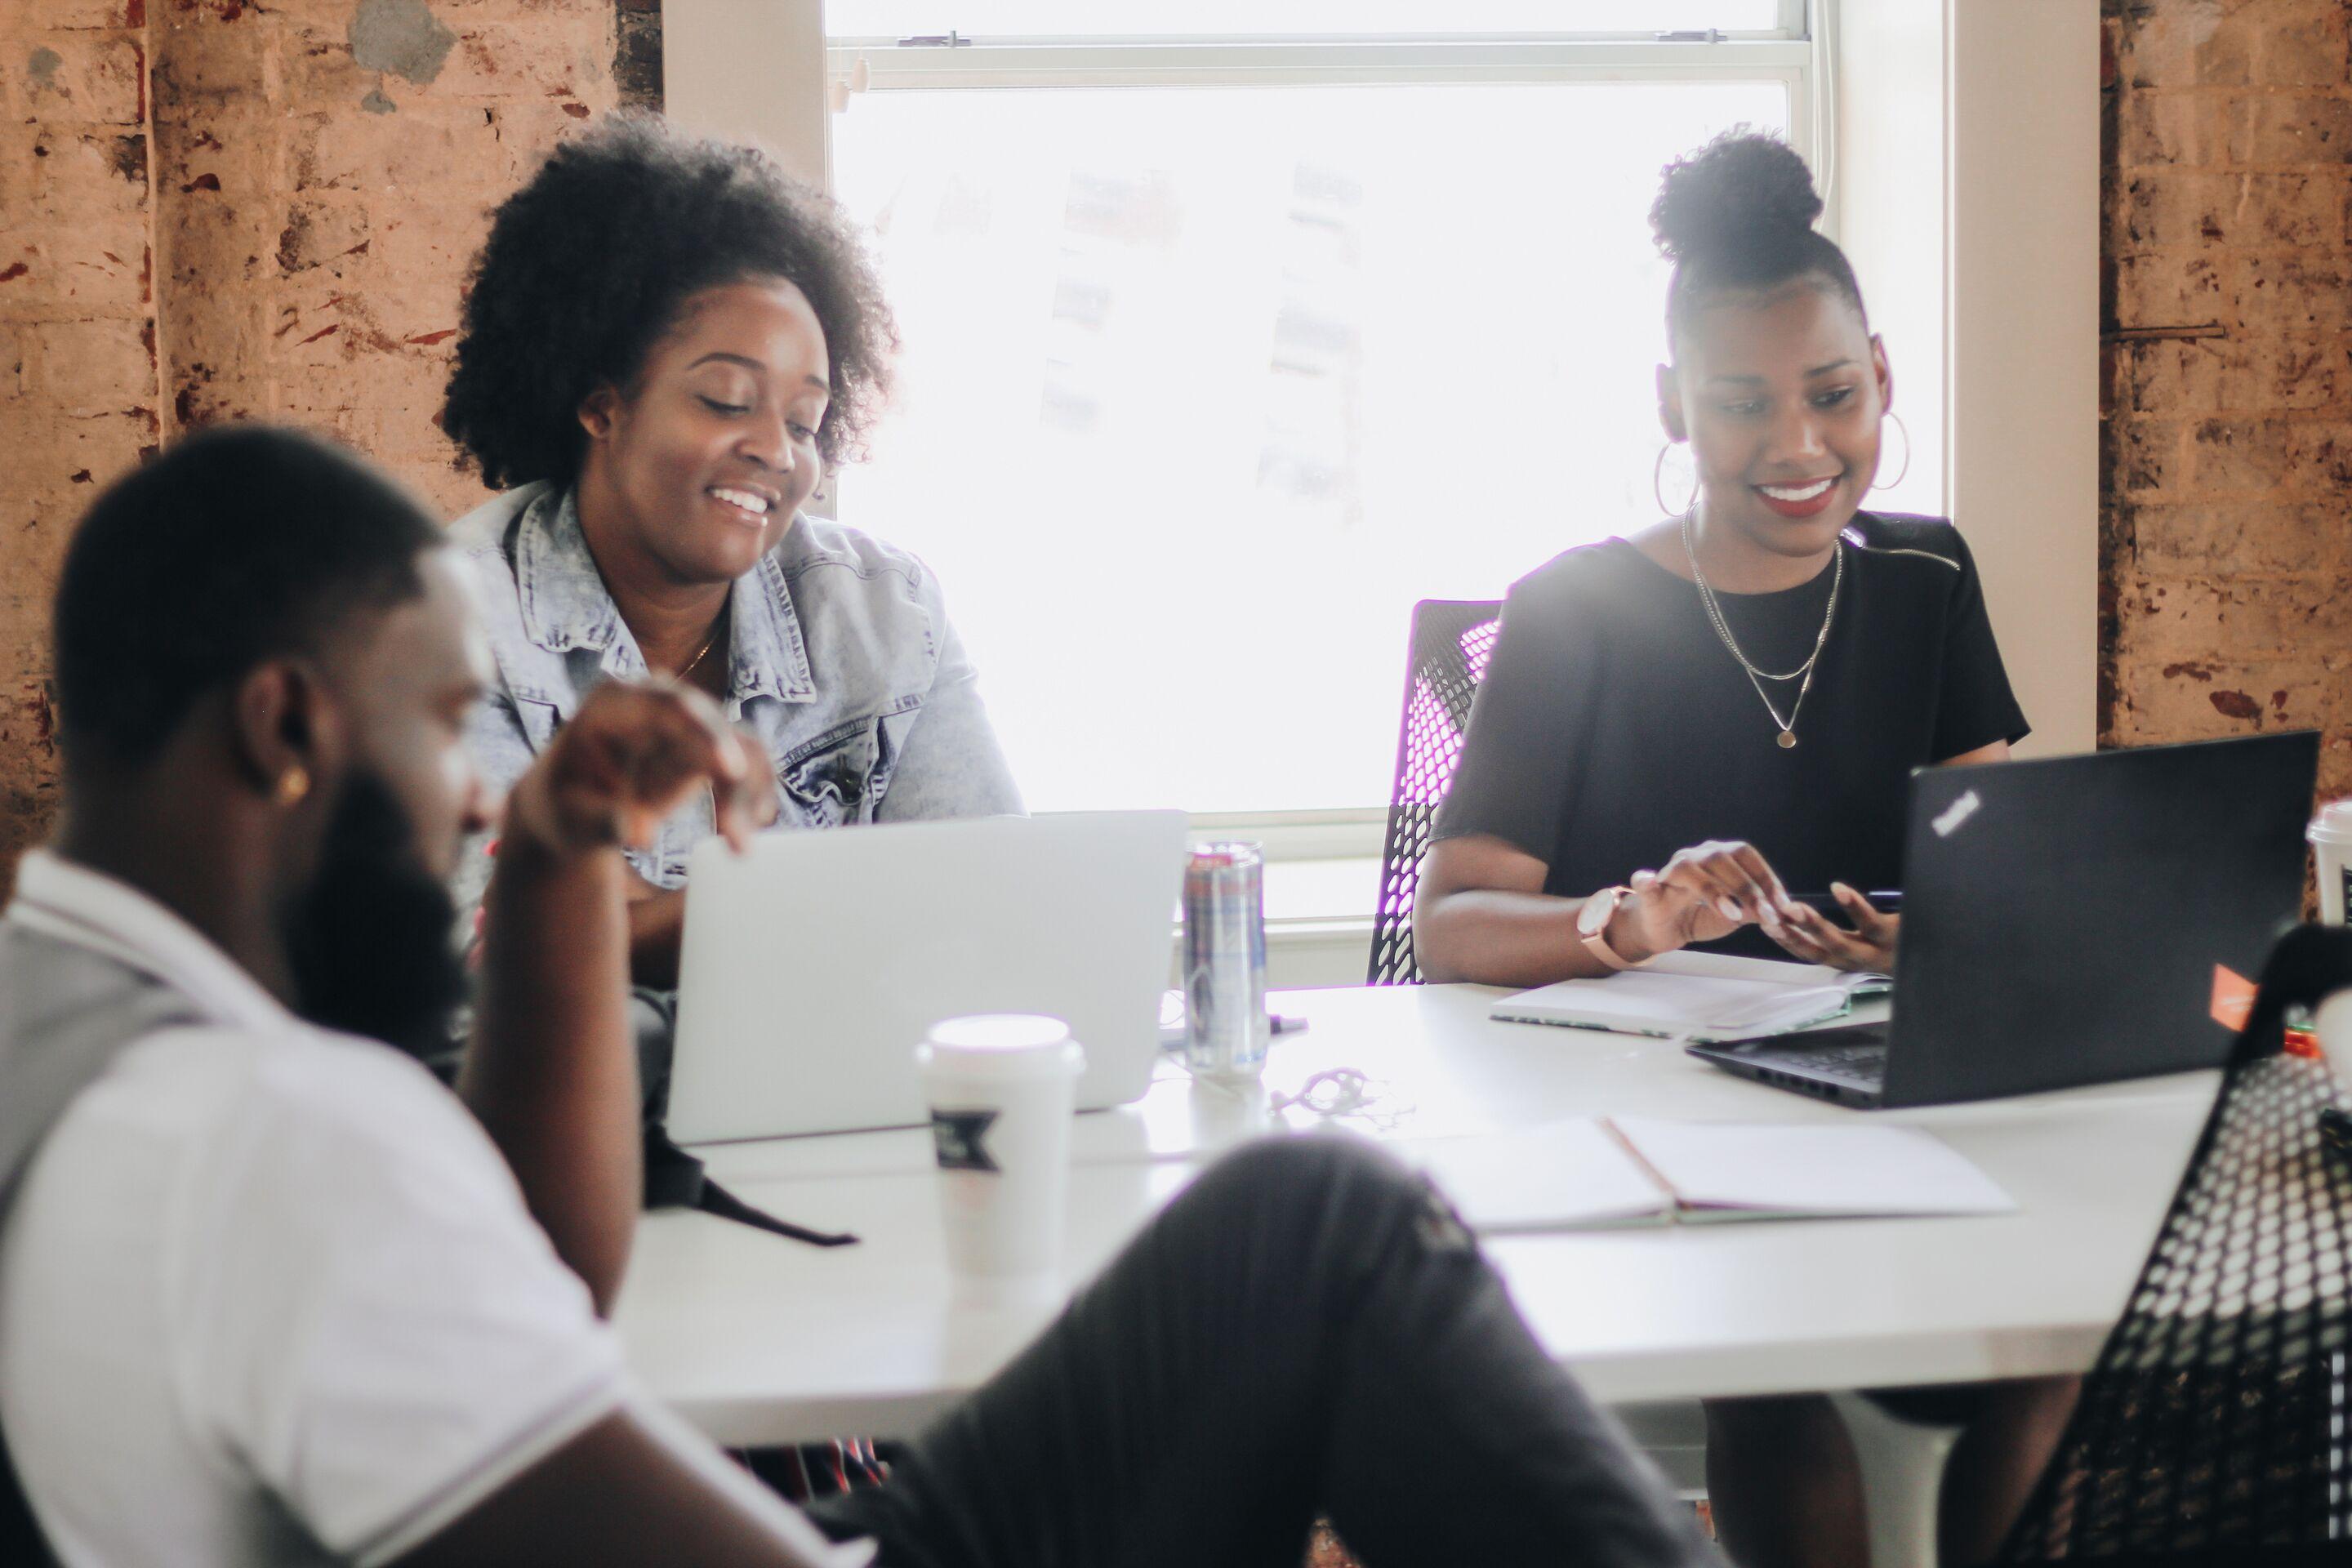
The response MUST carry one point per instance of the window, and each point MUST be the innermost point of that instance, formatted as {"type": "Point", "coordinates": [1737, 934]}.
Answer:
{"type": "Point", "coordinates": [885, 21]}
{"type": "Point", "coordinates": [1227, 341]}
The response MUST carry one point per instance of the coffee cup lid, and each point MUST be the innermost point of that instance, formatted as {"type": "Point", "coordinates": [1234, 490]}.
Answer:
{"type": "Point", "coordinates": [2334, 823]}
{"type": "Point", "coordinates": [1004, 1044]}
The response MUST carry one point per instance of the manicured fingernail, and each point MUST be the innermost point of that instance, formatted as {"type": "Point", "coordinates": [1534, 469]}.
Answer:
{"type": "Point", "coordinates": [1731, 910]}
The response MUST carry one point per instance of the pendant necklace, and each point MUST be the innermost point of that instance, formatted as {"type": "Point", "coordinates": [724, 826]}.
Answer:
{"type": "Point", "coordinates": [1786, 739]}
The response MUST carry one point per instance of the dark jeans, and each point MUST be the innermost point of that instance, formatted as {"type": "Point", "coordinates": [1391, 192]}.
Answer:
{"type": "Point", "coordinates": [1307, 1329]}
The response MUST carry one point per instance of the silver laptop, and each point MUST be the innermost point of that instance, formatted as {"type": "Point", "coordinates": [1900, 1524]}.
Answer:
{"type": "Point", "coordinates": [813, 965]}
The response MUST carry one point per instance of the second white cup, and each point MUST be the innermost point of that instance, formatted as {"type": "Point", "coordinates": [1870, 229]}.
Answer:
{"type": "Point", "coordinates": [2331, 843]}
{"type": "Point", "coordinates": [1002, 1087]}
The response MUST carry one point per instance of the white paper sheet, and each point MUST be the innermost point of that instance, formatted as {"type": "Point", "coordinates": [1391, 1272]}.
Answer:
{"type": "Point", "coordinates": [1726, 1170]}
{"type": "Point", "coordinates": [1582, 1176]}
{"type": "Point", "coordinates": [1562, 1175]}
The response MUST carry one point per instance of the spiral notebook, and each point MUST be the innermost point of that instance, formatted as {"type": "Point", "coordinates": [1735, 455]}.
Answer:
{"type": "Point", "coordinates": [1596, 1175]}
{"type": "Point", "coordinates": [1704, 997]}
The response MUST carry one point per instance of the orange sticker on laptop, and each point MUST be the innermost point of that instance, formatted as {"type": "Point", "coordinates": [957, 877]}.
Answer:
{"type": "Point", "coordinates": [2233, 998]}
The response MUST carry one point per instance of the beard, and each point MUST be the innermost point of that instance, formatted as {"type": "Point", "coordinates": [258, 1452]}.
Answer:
{"type": "Point", "coordinates": [370, 939]}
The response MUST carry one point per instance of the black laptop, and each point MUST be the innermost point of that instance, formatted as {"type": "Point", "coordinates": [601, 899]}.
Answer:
{"type": "Point", "coordinates": [2067, 921]}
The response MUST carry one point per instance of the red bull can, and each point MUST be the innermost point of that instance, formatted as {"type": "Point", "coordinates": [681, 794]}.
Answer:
{"type": "Point", "coordinates": [1226, 1025]}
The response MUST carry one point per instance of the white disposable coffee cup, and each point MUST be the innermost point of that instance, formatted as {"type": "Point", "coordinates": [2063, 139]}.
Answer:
{"type": "Point", "coordinates": [2333, 1027]}
{"type": "Point", "coordinates": [2331, 842]}
{"type": "Point", "coordinates": [1002, 1087]}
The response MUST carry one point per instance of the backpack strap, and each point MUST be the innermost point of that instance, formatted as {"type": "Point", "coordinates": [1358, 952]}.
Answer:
{"type": "Point", "coordinates": [66, 1013]}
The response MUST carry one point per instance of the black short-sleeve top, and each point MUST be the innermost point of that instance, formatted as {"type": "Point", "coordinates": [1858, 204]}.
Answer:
{"type": "Point", "coordinates": [1614, 728]}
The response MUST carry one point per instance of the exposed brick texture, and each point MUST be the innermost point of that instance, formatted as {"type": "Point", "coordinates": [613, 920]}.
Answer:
{"type": "Point", "coordinates": [2227, 459]}
{"type": "Point", "coordinates": [78, 394]}
{"type": "Point", "coordinates": [324, 171]}
{"type": "Point", "coordinates": [214, 209]}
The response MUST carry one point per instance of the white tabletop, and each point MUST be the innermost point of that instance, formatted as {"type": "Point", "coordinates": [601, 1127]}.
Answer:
{"type": "Point", "coordinates": [760, 1340]}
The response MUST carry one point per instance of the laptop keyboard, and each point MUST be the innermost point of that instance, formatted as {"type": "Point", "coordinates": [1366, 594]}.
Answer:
{"type": "Point", "coordinates": [1853, 1064]}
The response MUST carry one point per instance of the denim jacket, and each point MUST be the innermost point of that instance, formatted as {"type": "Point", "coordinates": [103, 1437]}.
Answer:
{"type": "Point", "coordinates": [843, 662]}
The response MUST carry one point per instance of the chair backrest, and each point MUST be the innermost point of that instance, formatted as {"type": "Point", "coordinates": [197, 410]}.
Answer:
{"type": "Point", "coordinates": [2211, 1425]}
{"type": "Point", "coordinates": [1452, 641]}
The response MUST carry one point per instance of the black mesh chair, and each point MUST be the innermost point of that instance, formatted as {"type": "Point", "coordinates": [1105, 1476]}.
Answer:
{"type": "Point", "coordinates": [1452, 641]}
{"type": "Point", "coordinates": [2214, 1427]}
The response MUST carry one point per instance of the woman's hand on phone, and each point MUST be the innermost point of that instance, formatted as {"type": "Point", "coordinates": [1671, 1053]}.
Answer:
{"type": "Point", "coordinates": [1703, 893]}
{"type": "Point", "coordinates": [1817, 939]}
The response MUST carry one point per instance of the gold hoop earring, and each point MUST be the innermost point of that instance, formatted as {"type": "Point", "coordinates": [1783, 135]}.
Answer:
{"type": "Point", "coordinates": [293, 785]}
{"type": "Point", "coordinates": [1904, 471]}
{"type": "Point", "coordinates": [1657, 485]}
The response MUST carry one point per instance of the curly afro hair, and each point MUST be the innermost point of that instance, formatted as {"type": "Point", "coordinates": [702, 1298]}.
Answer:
{"type": "Point", "coordinates": [1738, 215]}
{"type": "Point", "coordinates": [590, 262]}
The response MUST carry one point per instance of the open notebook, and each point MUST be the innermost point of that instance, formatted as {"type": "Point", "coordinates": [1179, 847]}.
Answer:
{"type": "Point", "coordinates": [1698, 996]}
{"type": "Point", "coordinates": [1626, 1170]}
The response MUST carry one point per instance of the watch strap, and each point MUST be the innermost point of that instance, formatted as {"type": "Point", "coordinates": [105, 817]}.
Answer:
{"type": "Point", "coordinates": [1596, 940]}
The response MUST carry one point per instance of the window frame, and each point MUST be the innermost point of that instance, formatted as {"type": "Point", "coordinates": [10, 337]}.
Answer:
{"type": "Point", "coordinates": [1955, 136]}
{"type": "Point", "coordinates": [1795, 24]}
{"type": "Point", "coordinates": [1786, 54]}
{"type": "Point", "coordinates": [973, 65]}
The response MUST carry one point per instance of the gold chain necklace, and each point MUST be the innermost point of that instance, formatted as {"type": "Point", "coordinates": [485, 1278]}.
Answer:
{"type": "Point", "coordinates": [692, 665]}
{"type": "Point", "coordinates": [1757, 678]}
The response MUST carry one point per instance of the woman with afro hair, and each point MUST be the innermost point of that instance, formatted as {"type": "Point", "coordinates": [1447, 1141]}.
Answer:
{"type": "Point", "coordinates": [665, 343]}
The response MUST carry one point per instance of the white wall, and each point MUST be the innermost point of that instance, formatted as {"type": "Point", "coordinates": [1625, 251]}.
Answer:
{"type": "Point", "coordinates": [753, 70]}
{"type": "Point", "coordinates": [1967, 194]}
{"type": "Point", "coordinates": [1887, 211]}
{"type": "Point", "coordinates": [2023, 337]}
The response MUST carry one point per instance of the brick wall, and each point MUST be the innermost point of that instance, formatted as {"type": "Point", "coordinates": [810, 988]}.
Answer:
{"type": "Point", "coordinates": [324, 170]}
{"type": "Point", "coordinates": [212, 209]}
{"type": "Point", "coordinates": [2228, 432]}
{"type": "Point", "coordinates": [78, 397]}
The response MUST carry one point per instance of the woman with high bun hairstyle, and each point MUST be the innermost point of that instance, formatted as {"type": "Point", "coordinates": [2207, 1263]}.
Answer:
{"type": "Point", "coordinates": [1683, 728]}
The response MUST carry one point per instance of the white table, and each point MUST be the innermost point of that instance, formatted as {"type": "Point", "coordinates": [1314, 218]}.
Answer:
{"type": "Point", "coordinates": [758, 1340]}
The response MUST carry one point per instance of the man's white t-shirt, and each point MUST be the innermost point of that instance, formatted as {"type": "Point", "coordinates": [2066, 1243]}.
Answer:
{"type": "Point", "coordinates": [270, 1296]}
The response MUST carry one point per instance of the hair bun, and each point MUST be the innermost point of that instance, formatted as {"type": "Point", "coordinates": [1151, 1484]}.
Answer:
{"type": "Point", "coordinates": [1738, 189]}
